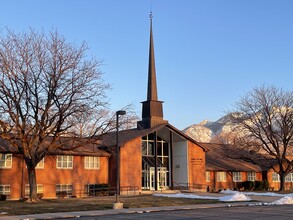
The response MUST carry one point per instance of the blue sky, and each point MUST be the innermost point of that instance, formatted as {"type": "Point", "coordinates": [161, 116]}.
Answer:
{"type": "Point", "coordinates": [208, 53]}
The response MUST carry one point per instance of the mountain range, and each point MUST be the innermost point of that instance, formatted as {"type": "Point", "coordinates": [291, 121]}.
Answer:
{"type": "Point", "coordinates": [206, 131]}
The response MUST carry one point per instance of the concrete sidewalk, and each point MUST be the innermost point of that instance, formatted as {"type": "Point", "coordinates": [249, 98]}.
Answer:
{"type": "Point", "coordinates": [63, 215]}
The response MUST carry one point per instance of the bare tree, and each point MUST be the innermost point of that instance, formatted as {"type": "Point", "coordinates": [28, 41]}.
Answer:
{"type": "Point", "coordinates": [265, 121]}
{"type": "Point", "coordinates": [103, 121]}
{"type": "Point", "coordinates": [45, 85]}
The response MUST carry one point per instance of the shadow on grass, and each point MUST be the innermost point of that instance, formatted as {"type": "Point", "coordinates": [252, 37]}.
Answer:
{"type": "Point", "coordinates": [93, 203]}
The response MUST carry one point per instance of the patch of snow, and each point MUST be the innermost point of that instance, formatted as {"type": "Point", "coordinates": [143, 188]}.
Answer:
{"type": "Point", "coordinates": [235, 197]}
{"type": "Point", "coordinates": [229, 198]}
{"type": "Point", "coordinates": [286, 200]}
{"type": "Point", "coordinates": [186, 195]}
{"type": "Point", "coordinates": [229, 192]}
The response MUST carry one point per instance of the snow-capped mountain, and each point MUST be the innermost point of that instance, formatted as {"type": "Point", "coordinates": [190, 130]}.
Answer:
{"type": "Point", "coordinates": [206, 131]}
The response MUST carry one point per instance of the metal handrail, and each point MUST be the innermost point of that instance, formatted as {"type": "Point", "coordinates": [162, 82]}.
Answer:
{"type": "Point", "coordinates": [108, 191]}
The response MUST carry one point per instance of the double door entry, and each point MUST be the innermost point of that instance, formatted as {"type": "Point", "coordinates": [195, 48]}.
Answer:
{"type": "Point", "coordinates": [149, 178]}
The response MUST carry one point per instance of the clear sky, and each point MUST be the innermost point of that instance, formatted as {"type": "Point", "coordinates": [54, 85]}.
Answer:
{"type": "Point", "coordinates": [208, 53]}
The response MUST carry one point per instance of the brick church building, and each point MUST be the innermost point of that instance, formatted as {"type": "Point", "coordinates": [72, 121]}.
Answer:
{"type": "Point", "coordinates": [153, 156]}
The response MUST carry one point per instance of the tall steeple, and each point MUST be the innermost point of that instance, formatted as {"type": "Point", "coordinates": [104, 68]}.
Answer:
{"type": "Point", "coordinates": [152, 82]}
{"type": "Point", "coordinates": [152, 109]}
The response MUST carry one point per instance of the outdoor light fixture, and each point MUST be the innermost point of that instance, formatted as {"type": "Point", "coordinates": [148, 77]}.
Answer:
{"type": "Point", "coordinates": [118, 205]}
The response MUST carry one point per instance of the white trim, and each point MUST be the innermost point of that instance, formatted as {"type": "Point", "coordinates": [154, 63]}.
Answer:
{"type": "Point", "coordinates": [3, 192]}
{"type": "Point", "coordinates": [41, 164]}
{"type": "Point", "coordinates": [5, 161]}
{"type": "Point", "coordinates": [67, 162]}
{"type": "Point", "coordinates": [221, 176]}
{"type": "Point", "coordinates": [96, 164]}
{"type": "Point", "coordinates": [251, 176]}
{"type": "Point", "coordinates": [237, 176]}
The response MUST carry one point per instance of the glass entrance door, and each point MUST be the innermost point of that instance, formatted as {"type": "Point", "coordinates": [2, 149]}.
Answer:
{"type": "Point", "coordinates": [162, 178]}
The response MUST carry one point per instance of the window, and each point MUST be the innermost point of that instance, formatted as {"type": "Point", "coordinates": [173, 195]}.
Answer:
{"type": "Point", "coordinates": [208, 176]}
{"type": "Point", "coordinates": [163, 151]}
{"type": "Point", "coordinates": [275, 177]}
{"type": "Point", "coordinates": [92, 163]}
{"type": "Point", "coordinates": [251, 176]}
{"type": "Point", "coordinates": [65, 189]}
{"type": "Point", "coordinates": [5, 190]}
{"type": "Point", "coordinates": [41, 164]}
{"type": "Point", "coordinates": [148, 145]}
{"type": "Point", "coordinates": [237, 177]}
{"type": "Point", "coordinates": [40, 189]}
{"type": "Point", "coordinates": [65, 162]}
{"type": "Point", "coordinates": [5, 160]}
{"type": "Point", "coordinates": [289, 177]}
{"type": "Point", "coordinates": [221, 176]}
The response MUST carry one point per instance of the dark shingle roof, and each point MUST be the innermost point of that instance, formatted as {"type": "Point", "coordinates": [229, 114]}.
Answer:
{"type": "Point", "coordinates": [217, 161]}
{"type": "Point", "coordinates": [68, 148]}
{"type": "Point", "coordinates": [109, 139]}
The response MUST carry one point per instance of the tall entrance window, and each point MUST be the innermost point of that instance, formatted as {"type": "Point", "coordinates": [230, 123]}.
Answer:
{"type": "Point", "coordinates": [149, 161]}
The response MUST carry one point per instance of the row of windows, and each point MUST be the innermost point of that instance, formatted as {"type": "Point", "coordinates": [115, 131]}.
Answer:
{"type": "Point", "coordinates": [221, 176]}
{"type": "Point", "coordinates": [5, 189]}
{"type": "Point", "coordinates": [63, 162]}
{"type": "Point", "coordinates": [288, 178]}
{"type": "Point", "coordinates": [60, 188]}
{"type": "Point", "coordinates": [251, 176]}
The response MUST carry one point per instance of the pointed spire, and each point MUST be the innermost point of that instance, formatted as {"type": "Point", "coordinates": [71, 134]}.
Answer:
{"type": "Point", "coordinates": [152, 109]}
{"type": "Point", "coordinates": [152, 82]}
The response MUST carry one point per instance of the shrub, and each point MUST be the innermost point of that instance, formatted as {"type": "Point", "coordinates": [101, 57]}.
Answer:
{"type": "Point", "coordinates": [248, 185]}
{"type": "Point", "coordinates": [258, 185]}
{"type": "Point", "coordinates": [261, 185]}
{"type": "Point", "coordinates": [62, 194]}
{"type": "Point", "coordinates": [40, 195]}
{"type": "Point", "coordinates": [3, 197]}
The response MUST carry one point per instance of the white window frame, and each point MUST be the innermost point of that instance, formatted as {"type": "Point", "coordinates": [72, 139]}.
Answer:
{"type": "Point", "coordinates": [5, 189]}
{"type": "Point", "coordinates": [5, 161]}
{"type": "Point", "coordinates": [40, 189]}
{"type": "Point", "coordinates": [92, 163]}
{"type": "Point", "coordinates": [64, 162]}
{"type": "Point", "coordinates": [68, 188]}
{"type": "Point", "coordinates": [289, 178]}
{"type": "Point", "coordinates": [237, 177]}
{"type": "Point", "coordinates": [221, 176]}
{"type": "Point", "coordinates": [251, 176]}
{"type": "Point", "coordinates": [208, 176]}
{"type": "Point", "coordinates": [41, 164]}
{"type": "Point", "coordinates": [275, 177]}
{"type": "Point", "coordinates": [148, 143]}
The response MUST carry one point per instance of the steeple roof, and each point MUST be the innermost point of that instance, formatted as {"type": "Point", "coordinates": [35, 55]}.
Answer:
{"type": "Point", "coordinates": [152, 109]}
{"type": "Point", "coordinates": [152, 93]}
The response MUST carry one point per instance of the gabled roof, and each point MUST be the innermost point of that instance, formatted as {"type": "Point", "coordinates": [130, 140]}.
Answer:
{"type": "Point", "coordinates": [128, 135]}
{"type": "Point", "coordinates": [217, 161]}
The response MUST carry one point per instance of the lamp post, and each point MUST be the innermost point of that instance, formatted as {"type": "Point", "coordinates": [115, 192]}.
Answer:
{"type": "Point", "coordinates": [117, 204]}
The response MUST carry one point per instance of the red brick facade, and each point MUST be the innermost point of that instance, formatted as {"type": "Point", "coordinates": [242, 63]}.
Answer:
{"type": "Point", "coordinates": [50, 176]}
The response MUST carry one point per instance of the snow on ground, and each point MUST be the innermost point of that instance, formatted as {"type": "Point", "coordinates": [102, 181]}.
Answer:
{"type": "Point", "coordinates": [186, 195]}
{"type": "Point", "coordinates": [235, 196]}
{"type": "Point", "coordinates": [286, 200]}
{"type": "Point", "coordinates": [227, 198]}
{"type": "Point", "coordinates": [228, 191]}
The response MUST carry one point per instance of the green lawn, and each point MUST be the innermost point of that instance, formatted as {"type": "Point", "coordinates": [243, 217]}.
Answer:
{"type": "Point", "coordinates": [92, 203]}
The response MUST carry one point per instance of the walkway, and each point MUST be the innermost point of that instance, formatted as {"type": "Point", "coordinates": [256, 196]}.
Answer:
{"type": "Point", "coordinates": [63, 215]}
